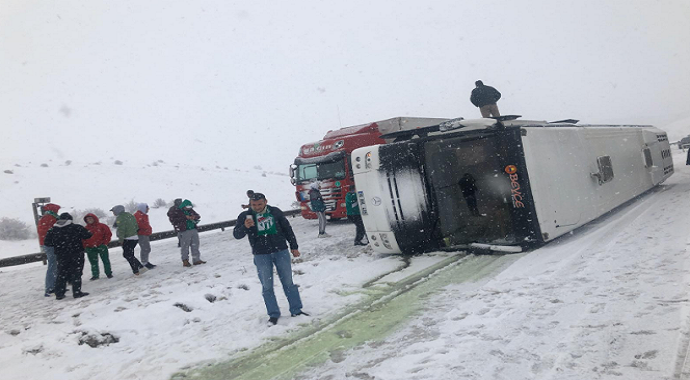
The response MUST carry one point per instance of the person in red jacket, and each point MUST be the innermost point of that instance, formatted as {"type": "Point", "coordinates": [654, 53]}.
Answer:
{"type": "Point", "coordinates": [97, 245]}
{"type": "Point", "coordinates": [144, 233]}
{"type": "Point", "coordinates": [50, 215]}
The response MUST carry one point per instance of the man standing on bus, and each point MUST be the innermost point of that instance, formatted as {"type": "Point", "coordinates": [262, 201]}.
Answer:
{"type": "Point", "coordinates": [485, 97]}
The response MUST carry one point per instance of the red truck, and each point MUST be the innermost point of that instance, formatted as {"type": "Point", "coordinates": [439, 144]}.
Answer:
{"type": "Point", "coordinates": [328, 161]}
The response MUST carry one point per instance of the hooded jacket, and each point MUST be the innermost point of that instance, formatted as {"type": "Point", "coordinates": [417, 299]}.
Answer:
{"type": "Point", "coordinates": [316, 199]}
{"type": "Point", "coordinates": [47, 221]}
{"type": "Point", "coordinates": [126, 225]}
{"type": "Point", "coordinates": [143, 220]}
{"type": "Point", "coordinates": [262, 245]}
{"type": "Point", "coordinates": [101, 233]}
{"type": "Point", "coordinates": [67, 238]}
{"type": "Point", "coordinates": [178, 217]}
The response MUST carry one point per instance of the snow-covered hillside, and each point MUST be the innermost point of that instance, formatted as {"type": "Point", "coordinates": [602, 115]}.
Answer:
{"type": "Point", "coordinates": [217, 192]}
{"type": "Point", "coordinates": [610, 301]}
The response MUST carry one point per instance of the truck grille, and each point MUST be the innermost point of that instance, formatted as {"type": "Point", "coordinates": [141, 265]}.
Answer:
{"type": "Point", "coordinates": [331, 197]}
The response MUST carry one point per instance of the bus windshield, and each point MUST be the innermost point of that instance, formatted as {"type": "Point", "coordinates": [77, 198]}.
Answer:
{"type": "Point", "coordinates": [318, 172]}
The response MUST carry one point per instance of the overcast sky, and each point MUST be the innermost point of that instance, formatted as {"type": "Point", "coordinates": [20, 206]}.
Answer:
{"type": "Point", "coordinates": [246, 83]}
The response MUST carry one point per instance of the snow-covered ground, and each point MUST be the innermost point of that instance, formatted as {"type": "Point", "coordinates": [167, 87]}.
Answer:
{"type": "Point", "coordinates": [607, 302]}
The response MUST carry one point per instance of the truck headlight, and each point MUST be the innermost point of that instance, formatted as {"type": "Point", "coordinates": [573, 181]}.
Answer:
{"type": "Point", "coordinates": [367, 160]}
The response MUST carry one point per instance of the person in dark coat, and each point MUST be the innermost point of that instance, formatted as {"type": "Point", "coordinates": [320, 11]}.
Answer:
{"type": "Point", "coordinates": [468, 187]}
{"type": "Point", "coordinates": [184, 219]}
{"type": "Point", "coordinates": [67, 239]}
{"type": "Point", "coordinates": [171, 212]}
{"type": "Point", "coordinates": [269, 233]}
{"type": "Point", "coordinates": [318, 206]}
{"type": "Point", "coordinates": [687, 160]}
{"type": "Point", "coordinates": [485, 97]}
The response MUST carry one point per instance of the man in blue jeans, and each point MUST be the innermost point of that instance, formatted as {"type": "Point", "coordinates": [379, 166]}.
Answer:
{"type": "Point", "coordinates": [269, 232]}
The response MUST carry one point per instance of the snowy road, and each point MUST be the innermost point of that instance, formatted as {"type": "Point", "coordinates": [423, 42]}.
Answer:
{"type": "Point", "coordinates": [607, 302]}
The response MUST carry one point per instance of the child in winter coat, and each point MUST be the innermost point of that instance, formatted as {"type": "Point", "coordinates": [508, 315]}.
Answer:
{"type": "Point", "coordinates": [127, 228]}
{"type": "Point", "coordinates": [47, 221]}
{"type": "Point", "coordinates": [97, 246]}
{"type": "Point", "coordinates": [144, 233]}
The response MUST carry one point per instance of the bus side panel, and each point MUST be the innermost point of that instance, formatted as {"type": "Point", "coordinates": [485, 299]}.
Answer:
{"type": "Point", "coordinates": [562, 161]}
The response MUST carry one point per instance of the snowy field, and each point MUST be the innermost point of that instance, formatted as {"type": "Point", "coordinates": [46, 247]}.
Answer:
{"type": "Point", "coordinates": [607, 302]}
{"type": "Point", "coordinates": [216, 191]}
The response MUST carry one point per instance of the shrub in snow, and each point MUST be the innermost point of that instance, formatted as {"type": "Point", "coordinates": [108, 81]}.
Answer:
{"type": "Point", "coordinates": [159, 203]}
{"type": "Point", "coordinates": [131, 206]}
{"type": "Point", "coordinates": [68, 162]}
{"type": "Point", "coordinates": [9, 172]}
{"type": "Point", "coordinates": [183, 307]}
{"type": "Point", "coordinates": [155, 163]}
{"type": "Point", "coordinates": [14, 229]}
{"type": "Point", "coordinates": [118, 162]}
{"type": "Point", "coordinates": [44, 165]}
{"type": "Point", "coordinates": [258, 167]}
{"type": "Point", "coordinates": [263, 174]}
{"type": "Point", "coordinates": [97, 339]}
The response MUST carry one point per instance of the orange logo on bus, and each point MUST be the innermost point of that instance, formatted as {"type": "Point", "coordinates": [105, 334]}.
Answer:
{"type": "Point", "coordinates": [515, 188]}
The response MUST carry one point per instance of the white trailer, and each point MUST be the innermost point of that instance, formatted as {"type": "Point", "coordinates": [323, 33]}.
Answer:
{"type": "Point", "coordinates": [501, 183]}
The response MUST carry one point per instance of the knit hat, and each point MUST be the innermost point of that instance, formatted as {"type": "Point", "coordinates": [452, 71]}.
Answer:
{"type": "Point", "coordinates": [65, 216]}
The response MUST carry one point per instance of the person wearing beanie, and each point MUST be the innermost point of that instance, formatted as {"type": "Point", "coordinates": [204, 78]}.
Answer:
{"type": "Point", "coordinates": [485, 97]}
{"type": "Point", "coordinates": [97, 246]}
{"type": "Point", "coordinates": [50, 215]}
{"type": "Point", "coordinates": [67, 239]}
{"type": "Point", "coordinates": [184, 219]}
{"type": "Point", "coordinates": [144, 233]}
{"type": "Point", "coordinates": [127, 228]}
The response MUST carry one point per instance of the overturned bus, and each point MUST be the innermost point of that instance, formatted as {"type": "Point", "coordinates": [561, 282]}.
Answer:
{"type": "Point", "coordinates": [504, 184]}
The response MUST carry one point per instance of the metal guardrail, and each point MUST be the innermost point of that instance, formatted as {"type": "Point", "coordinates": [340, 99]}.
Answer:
{"type": "Point", "coordinates": [40, 256]}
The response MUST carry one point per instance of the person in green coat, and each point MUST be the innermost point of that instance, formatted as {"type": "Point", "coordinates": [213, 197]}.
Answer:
{"type": "Point", "coordinates": [353, 214]}
{"type": "Point", "coordinates": [127, 228]}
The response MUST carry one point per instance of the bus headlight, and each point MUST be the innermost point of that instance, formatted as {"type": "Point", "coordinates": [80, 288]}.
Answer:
{"type": "Point", "coordinates": [385, 241]}
{"type": "Point", "coordinates": [367, 160]}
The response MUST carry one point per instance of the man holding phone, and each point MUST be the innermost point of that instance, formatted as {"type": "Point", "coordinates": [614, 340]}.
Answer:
{"type": "Point", "coordinates": [269, 232]}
